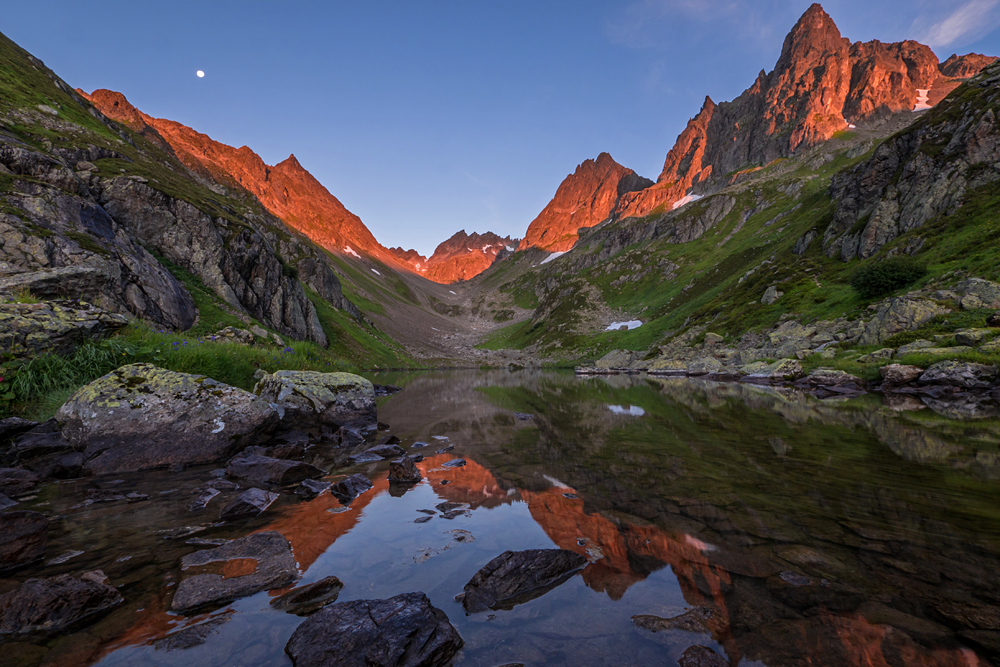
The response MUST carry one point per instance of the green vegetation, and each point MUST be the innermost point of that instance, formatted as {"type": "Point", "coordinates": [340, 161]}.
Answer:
{"type": "Point", "coordinates": [882, 277]}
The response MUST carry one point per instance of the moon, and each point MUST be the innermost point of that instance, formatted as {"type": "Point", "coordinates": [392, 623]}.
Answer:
{"type": "Point", "coordinates": [201, 75]}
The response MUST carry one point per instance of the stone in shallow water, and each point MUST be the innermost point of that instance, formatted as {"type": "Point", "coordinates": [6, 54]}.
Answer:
{"type": "Point", "coordinates": [202, 499]}
{"type": "Point", "coordinates": [274, 567]}
{"type": "Point", "coordinates": [192, 636]}
{"type": "Point", "coordinates": [310, 598]}
{"type": "Point", "coordinates": [17, 482]}
{"type": "Point", "coordinates": [454, 463]}
{"type": "Point", "coordinates": [695, 620]}
{"type": "Point", "coordinates": [348, 489]}
{"type": "Point", "coordinates": [378, 453]}
{"type": "Point", "coordinates": [310, 488]}
{"type": "Point", "coordinates": [701, 656]}
{"type": "Point", "coordinates": [514, 577]}
{"type": "Point", "coordinates": [267, 470]}
{"type": "Point", "coordinates": [249, 503]}
{"type": "Point", "coordinates": [55, 604]}
{"type": "Point", "coordinates": [23, 536]}
{"type": "Point", "coordinates": [311, 399]}
{"type": "Point", "coordinates": [403, 631]}
{"type": "Point", "coordinates": [404, 470]}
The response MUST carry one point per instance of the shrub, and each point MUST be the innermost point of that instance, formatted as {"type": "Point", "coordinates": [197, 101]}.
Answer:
{"type": "Point", "coordinates": [885, 276]}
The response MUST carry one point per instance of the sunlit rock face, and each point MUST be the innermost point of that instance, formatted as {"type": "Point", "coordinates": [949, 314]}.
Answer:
{"type": "Point", "coordinates": [461, 257]}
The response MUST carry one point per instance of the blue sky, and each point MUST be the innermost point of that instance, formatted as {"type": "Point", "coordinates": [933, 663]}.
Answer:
{"type": "Point", "coordinates": [429, 117]}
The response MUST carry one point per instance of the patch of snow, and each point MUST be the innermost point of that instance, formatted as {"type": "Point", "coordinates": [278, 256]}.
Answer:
{"type": "Point", "coordinates": [698, 544]}
{"type": "Point", "coordinates": [376, 272]}
{"type": "Point", "coordinates": [922, 100]}
{"type": "Point", "coordinates": [509, 249]}
{"type": "Point", "coordinates": [632, 410]}
{"type": "Point", "coordinates": [435, 329]}
{"type": "Point", "coordinates": [686, 199]}
{"type": "Point", "coordinates": [417, 266]}
{"type": "Point", "coordinates": [486, 247]}
{"type": "Point", "coordinates": [556, 483]}
{"type": "Point", "coordinates": [348, 249]}
{"type": "Point", "coordinates": [453, 292]}
{"type": "Point", "coordinates": [440, 437]}
{"type": "Point", "coordinates": [555, 255]}
{"type": "Point", "coordinates": [631, 324]}
{"type": "Point", "coordinates": [853, 127]}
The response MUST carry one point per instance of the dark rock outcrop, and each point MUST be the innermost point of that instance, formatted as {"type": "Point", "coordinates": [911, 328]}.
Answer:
{"type": "Point", "coordinates": [267, 470]}
{"type": "Point", "coordinates": [350, 488]}
{"type": "Point", "coordinates": [54, 605]}
{"type": "Point", "coordinates": [249, 503]}
{"type": "Point", "coordinates": [23, 537]}
{"type": "Point", "coordinates": [514, 577]}
{"type": "Point", "coordinates": [403, 631]}
{"type": "Point", "coordinates": [403, 470]}
{"type": "Point", "coordinates": [30, 329]}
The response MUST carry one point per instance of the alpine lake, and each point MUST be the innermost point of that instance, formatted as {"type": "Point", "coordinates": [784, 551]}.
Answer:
{"type": "Point", "coordinates": [782, 530]}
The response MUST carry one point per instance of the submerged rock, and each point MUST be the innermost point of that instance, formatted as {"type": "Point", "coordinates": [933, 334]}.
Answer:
{"type": "Point", "coordinates": [701, 656]}
{"type": "Point", "coordinates": [403, 631]}
{"type": "Point", "coordinates": [249, 503]}
{"type": "Point", "coordinates": [310, 598]}
{"type": "Point", "coordinates": [514, 577]}
{"type": "Point", "coordinates": [350, 488]}
{"type": "Point", "coordinates": [378, 453]}
{"type": "Point", "coordinates": [17, 481]}
{"type": "Point", "coordinates": [267, 470]}
{"type": "Point", "coordinates": [274, 567]}
{"type": "Point", "coordinates": [55, 604]}
{"type": "Point", "coordinates": [310, 488]}
{"type": "Point", "coordinates": [313, 399]}
{"type": "Point", "coordinates": [192, 636]}
{"type": "Point", "coordinates": [141, 417]}
{"type": "Point", "coordinates": [695, 620]}
{"type": "Point", "coordinates": [404, 470]}
{"type": "Point", "coordinates": [23, 537]}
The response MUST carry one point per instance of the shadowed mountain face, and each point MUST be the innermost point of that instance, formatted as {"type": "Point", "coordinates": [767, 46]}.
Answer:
{"type": "Point", "coordinates": [461, 257]}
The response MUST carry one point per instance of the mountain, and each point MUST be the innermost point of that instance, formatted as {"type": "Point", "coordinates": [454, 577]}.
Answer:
{"type": "Point", "coordinates": [821, 85]}
{"type": "Point", "coordinates": [287, 190]}
{"type": "Point", "coordinates": [584, 199]}
{"type": "Point", "coordinates": [461, 257]}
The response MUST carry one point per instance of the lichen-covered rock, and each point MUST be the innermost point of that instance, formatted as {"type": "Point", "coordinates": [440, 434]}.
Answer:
{"type": "Point", "coordinates": [771, 295]}
{"type": "Point", "coordinates": [140, 417]}
{"type": "Point", "coordinates": [53, 326]}
{"type": "Point", "coordinates": [972, 337]}
{"type": "Point", "coordinates": [899, 314]}
{"type": "Point", "coordinates": [779, 371]}
{"type": "Point", "coordinates": [274, 567]}
{"type": "Point", "coordinates": [314, 399]}
{"type": "Point", "coordinates": [915, 346]}
{"type": "Point", "coordinates": [960, 374]}
{"type": "Point", "coordinates": [830, 377]}
{"type": "Point", "coordinates": [235, 335]}
{"type": "Point", "coordinates": [898, 374]}
{"type": "Point", "coordinates": [52, 605]}
{"type": "Point", "coordinates": [616, 359]}
{"type": "Point", "coordinates": [704, 366]}
{"type": "Point", "coordinates": [877, 356]}
{"type": "Point", "coordinates": [979, 293]}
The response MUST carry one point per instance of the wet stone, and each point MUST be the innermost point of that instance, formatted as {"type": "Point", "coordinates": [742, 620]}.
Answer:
{"type": "Point", "coordinates": [267, 470]}
{"type": "Point", "coordinates": [192, 636]}
{"type": "Point", "coordinates": [404, 470]}
{"type": "Point", "coordinates": [23, 537]}
{"type": "Point", "coordinates": [6, 502]}
{"type": "Point", "coordinates": [454, 463]}
{"type": "Point", "coordinates": [55, 604]}
{"type": "Point", "coordinates": [418, 445]}
{"type": "Point", "coordinates": [701, 656]}
{"type": "Point", "coordinates": [695, 620]}
{"type": "Point", "coordinates": [445, 449]}
{"type": "Point", "coordinates": [514, 577]}
{"type": "Point", "coordinates": [17, 481]}
{"type": "Point", "coordinates": [348, 489]}
{"type": "Point", "coordinates": [310, 598]}
{"type": "Point", "coordinates": [273, 567]}
{"type": "Point", "coordinates": [310, 488]}
{"type": "Point", "coordinates": [403, 631]}
{"type": "Point", "coordinates": [249, 503]}
{"type": "Point", "coordinates": [203, 498]}
{"type": "Point", "coordinates": [422, 519]}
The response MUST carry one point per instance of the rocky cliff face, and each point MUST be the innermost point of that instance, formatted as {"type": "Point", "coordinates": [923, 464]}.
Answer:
{"type": "Point", "coordinates": [919, 174]}
{"type": "Point", "coordinates": [822, 84]}
{"type": "Point", "coordinates": [461, 257]}
{"type": "Point", "coordinates": [584, 199]}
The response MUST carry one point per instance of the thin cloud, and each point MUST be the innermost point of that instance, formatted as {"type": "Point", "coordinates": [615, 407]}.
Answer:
{"type": "Point", "coordinates": [969, 22]}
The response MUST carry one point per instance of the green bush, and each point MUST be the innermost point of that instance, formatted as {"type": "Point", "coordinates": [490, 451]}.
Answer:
{"type": "Point", "coordinates": [884, 276]}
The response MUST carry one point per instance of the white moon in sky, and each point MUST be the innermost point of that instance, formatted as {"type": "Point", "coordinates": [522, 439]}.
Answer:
{"type": "Point", "coordinates": [200, 74]}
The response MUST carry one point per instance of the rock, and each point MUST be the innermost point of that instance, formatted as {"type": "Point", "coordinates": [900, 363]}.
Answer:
{"type": "Point", "coordinates": [141, 417]}
{"type": "Point", "coordinates": [771, 295]}
{"type": "Point", "coordinates": [713, 340]}
{"type": "Point", "coordinates": [972, 337]}
{"type": "Point", "coordinates": [454, 463]}
{"type": "Point", "coordinates": [204, 497]}
{"type": "Point", "coordinates": [387, 390]}
{"type": "Point", "coordinates": [993, 320]}
{"type": "Point", "coordinates": [17, 482]}
{"type": "Point", "coordinates": [389, 440]}
{"type": "Point", "coordinates": [46, 439]}
{"type": "Point", "coordinates": [899, 314]}
{"type": "Point", "coordinates": [267, 470]}
{"type": "Point", "coordinates": [274, 567]}
{"type": "Point", "coordinates": [695, 620]}
{"type": "Point", "coordinates": [403, 631]}
{"type": "Point", "coordinates": [829, 377]}
{"type": "Point", "coordinates": [704, 366]}
{"type": "Point", "coordinates": [6, 502]}
{"type": "Point", "coordinates": [54, 605]}
{"type": "Point", "coordinates": [311, 399]}
{"type": "Point", "coordinates": [616, 359]}
{"type": "Point", "coordinates": [250, 503]}
{"type": "Point", "coordinates": [877, 356]}
{"type": "Point", "coordinates": [915, 346]}
{"type": "Point", "coordinates": [514, 577]}
{"type": "Point", "coordinates": [53, 326]}
{"type": "Point", "coordinates": [979, 293]}
{"type": "Point", "coordinates": [378, 453]}
{"type": "Point", "coordinates": [960, 374]}
{"type": "Point", "coordinates": [310, 488]}
{"type": "Point", "coordinates": [521, 417]}
{"type": "Point", "coordinates": [308, 599]}
{"type": "Point", "coordinates": [192, 636]}
{"type": "Point", "coordinates": [701, 656]}
{"type": "Point", "coordinates": [779, 371]}
{"type": "Point", "coordinates": [234, 335]}
{"type": "Point", "coordinates": [13, 427]}
{"type": "Point", "coordinates": [350, 488]}
{"type": "Point", "coordinates": [23, 537]}
{"type": "Point", "coordinates": [898, 374]}
{"type": "Point", "coordinates": [404, 470]}
{"type": "Point", "coordinates": [945, 351]}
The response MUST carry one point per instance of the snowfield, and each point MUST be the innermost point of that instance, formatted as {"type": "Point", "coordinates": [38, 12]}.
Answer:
{"type": "Point", "coordinates": [631, 324]}
{"type": "Point", "coordinates": [555, 255]}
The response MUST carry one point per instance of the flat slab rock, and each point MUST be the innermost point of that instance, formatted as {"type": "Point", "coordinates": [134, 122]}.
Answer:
{"type": "Point", "coordinates": [23, 537]}
{"type": "Point", "coordinates": [275, 567]}
{"type": "Point", "coordinates": [55, 604]}
{"type": "Point", "coordinates": [350, 488]}
{"type": "Point", "coordinates": [249, 503]}
{"type": "Point", "coordinates": [514, 577]}
{"type": "Point", "coordinates": [403, 631]}
{"type": "Point", "coordinates": [310, 598]}
{"type": "Point", "coordinates": [267, 470]}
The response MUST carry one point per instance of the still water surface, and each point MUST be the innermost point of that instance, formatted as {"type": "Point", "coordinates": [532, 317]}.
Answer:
{"type": "Point", "coordinates": [816, 533]}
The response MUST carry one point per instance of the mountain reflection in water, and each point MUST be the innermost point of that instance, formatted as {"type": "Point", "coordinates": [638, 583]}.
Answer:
{"type": "Point", "coordinates": [812, 533]}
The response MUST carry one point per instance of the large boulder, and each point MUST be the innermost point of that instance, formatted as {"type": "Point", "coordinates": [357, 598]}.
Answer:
{"type": "Point", "coordinates": [273, 567]}
{"type": "Point", "coordinates": [899, 314]}
{"type": "Point", "coordinates": [899, 374]}
{"type": "Point", "coordinates": [979, 293]}
{"type": "Point", "coordinates": [960, 374]}
{"type": "Point", "coordinates": [23, 536]}
{"type": "Point", "coordinates": [616, 359]}
{"type": "Point", "coordinates": [56, 604]}
{"type": "Point", "coordinates": [403, 631]}
{"type": "Point", "coordinates": [314, 399]}
{"type": "Point", "coordinates": [53, 326]}
{"type": "Point", "coordinates": [141, 417]}
{"type": "Point", "coordinates": [266, 470]}
{"type": "Point", "coordinates": [514, 577]}
{"type": "Point", "coordinates": [779, 371]}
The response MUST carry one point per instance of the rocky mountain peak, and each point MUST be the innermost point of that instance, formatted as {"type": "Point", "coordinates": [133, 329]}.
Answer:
{"type": "Point", "coordinates": [460, 257]}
